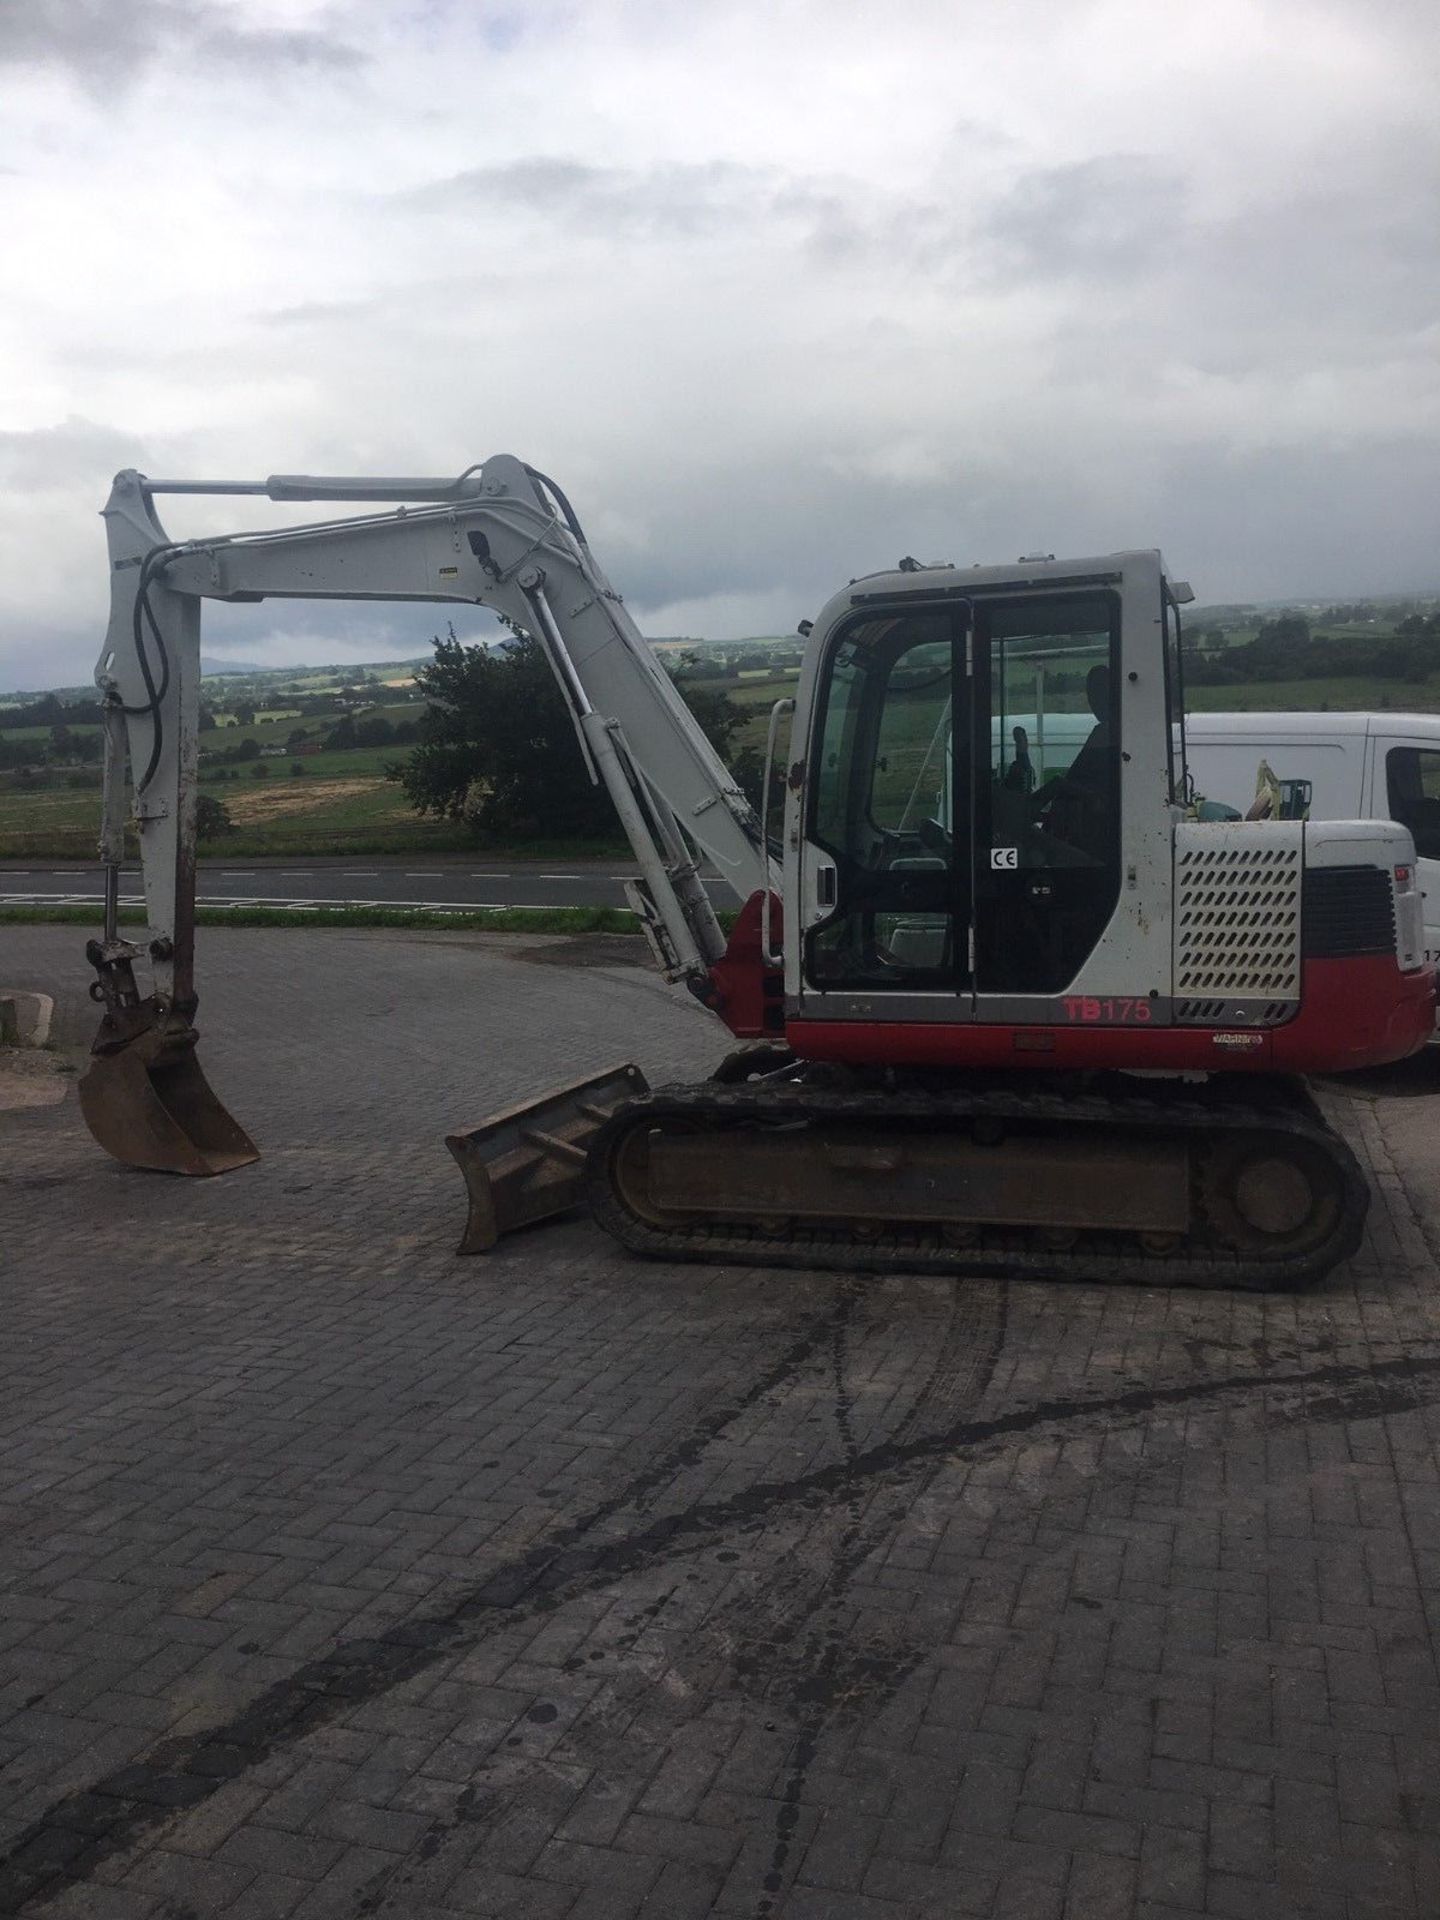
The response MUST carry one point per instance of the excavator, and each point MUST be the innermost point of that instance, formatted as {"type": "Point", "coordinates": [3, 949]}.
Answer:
{"type": "Point", "coordinates": [1005, 1006]}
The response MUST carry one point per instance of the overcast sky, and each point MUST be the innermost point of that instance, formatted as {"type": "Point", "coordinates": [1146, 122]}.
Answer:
{"type": "Point", "coordinates": [778, 292]}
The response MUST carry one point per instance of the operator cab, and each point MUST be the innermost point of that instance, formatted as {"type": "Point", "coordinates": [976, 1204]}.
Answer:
{"type": "Point", "coordinates": [964, 812]}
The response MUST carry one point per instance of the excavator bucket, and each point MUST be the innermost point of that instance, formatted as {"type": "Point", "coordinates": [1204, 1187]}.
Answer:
{"type": "Point", "coordinates": [529, 1162]}
{"type": "Point", "coordinates": [147, 1102]}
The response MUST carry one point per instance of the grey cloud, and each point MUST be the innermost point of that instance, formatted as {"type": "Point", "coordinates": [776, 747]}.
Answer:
{"type": "Point", "coordinates": [1293, 522]}
{"type": "Point", "coordinates": [671, 201]}
{"type": "Point", "coordinates": [1108, 216]}
{"type": "Point", "coordinates": [1344, 268]}
{"type": "Point", "coordinates": [51, 458]}
{"type": "Point", "coordinates": [1337, 275]}
{"type": "Point", "coordinates": [102, 43]}
{"type": "Point", "coordinates": [92, 37]}
{"type": "Point", "coordinates": [270, 48]}
{"type": "Point", "coordinates": [311, 313]}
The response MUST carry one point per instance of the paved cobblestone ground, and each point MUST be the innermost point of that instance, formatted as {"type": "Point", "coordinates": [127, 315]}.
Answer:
{"type": "Point", "coordinates": [340, 1577]}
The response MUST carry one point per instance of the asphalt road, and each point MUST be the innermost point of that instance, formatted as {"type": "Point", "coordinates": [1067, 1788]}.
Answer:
{"type": "Point", "coordinates": [405, 881]}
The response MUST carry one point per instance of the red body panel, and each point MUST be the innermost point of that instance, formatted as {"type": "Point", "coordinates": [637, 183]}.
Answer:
{"type": "Point", "coordinates": [1356, 1012]}
{"type": "Point", "coordinates": [749, 996]}
{"type": "Point", "coordinates": [1360, 1011]}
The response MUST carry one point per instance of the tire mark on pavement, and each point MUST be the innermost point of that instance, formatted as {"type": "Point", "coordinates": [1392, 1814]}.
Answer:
{"type": "Point", "coordinates": [824, 1643]}
{"type": "Point", "coordinates": [77, 1833]}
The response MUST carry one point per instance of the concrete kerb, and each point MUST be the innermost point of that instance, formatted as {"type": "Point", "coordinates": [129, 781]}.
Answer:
{"type": "Point", "coordinates": [24, 1018]}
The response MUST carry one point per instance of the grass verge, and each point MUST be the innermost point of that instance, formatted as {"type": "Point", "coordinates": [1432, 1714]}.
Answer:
{"type": "Point", "coordinates": [297, 844]}
{"type": "Point", "coordinates": [512, 920]}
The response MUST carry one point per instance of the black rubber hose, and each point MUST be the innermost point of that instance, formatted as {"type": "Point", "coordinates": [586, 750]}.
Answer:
{"type": "Point", "coordinates": [561, 501]}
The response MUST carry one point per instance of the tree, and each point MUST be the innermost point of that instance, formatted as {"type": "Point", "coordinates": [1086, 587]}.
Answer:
{"type": "Point", "coordinates": [497, 747]}
{"type": "Point", "coordinates": [720, 717]}
{"type": "Point", "coordinates": [212, 818]}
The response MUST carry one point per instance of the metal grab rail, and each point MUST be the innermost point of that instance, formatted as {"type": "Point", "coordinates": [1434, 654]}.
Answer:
{"type": "Point", "coordinates": [780, 710]}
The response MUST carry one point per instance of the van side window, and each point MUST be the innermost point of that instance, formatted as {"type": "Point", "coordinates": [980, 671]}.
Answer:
{"type": "Point", "coordinates": [1412, 784]}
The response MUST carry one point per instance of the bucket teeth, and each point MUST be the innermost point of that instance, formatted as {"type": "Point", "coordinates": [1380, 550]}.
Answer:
{"type": "Point", "coordinates": [528, 1163]}
{"type": "Point", "coordinates": [147, 1102]}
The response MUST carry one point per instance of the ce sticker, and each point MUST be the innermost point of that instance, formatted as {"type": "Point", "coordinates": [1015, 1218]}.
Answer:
{"type": "Point", "coordinates": [1004, 856]}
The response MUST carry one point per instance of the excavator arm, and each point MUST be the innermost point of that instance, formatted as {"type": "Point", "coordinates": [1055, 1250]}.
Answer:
{"type": "Point", "coordinates": [499, 536]}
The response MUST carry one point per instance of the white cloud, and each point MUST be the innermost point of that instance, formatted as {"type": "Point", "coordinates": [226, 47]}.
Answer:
{"type": "Point", "coordinates": [777, 294]}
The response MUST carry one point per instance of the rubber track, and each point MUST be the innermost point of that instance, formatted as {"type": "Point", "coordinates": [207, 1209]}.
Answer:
{"type": "Point", "coordinates": [999, 1253]}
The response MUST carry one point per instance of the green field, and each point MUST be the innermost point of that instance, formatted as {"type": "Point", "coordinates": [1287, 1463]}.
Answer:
{"type": "Point", "coordinates": [346, 764]}
{"type": "Point", "coordinates": [350, 810]}
{"type": "Point", "coordinates": [1341, 695]}
{"type": "Point", "coordinates": [343, 806]}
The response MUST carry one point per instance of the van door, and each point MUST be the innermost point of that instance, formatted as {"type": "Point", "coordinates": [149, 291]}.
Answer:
{"type": "Point", "coordinates": [1324, 773]}
{"type": "Point", "coordinates": [1407, 788]}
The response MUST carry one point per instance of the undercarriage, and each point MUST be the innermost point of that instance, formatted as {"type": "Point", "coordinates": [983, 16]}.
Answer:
{"type": "Point", "coordinates": [1156, 1183]}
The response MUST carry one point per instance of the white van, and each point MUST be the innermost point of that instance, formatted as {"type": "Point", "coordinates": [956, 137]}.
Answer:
{"type": "Point", "coordinates": [1358, 766]}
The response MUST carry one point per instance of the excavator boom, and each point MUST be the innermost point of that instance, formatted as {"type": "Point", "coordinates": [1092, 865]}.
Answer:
{"type": "Point", "coordinates": [499, 536]}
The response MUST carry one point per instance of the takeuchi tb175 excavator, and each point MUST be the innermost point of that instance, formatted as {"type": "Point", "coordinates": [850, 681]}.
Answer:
{"type": "Point", "coordinates": [1007, 1008]}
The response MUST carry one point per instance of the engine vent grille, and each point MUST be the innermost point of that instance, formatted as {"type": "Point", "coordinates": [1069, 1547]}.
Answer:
{"type": "Point", "coordinates": [1237, 916]}
{"type": "Point", "coordinates": [1234, 1013]}
{"type": "Point", "coordinates": [1348, 910]}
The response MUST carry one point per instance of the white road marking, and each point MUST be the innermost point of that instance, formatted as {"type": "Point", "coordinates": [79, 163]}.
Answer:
{"type": "Point", "coordinates": [424, 876]}
{"type": "Point", "coordinates": [279, 903]}
{"type": "Point", "coordinates": [51, 899]}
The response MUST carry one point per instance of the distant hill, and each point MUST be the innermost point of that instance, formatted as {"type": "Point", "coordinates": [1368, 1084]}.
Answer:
{"type": "Point", "coordinates": [241, 670]}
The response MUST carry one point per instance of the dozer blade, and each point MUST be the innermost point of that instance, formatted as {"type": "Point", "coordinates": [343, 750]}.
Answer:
{"type": "Point", "coordinates": [529, 1162]}
{"type": "Point", "coordinates": [148, 1103]}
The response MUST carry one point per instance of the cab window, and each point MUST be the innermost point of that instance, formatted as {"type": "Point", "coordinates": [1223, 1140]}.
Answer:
{"type": "Point", "coordinates": [884, 770]}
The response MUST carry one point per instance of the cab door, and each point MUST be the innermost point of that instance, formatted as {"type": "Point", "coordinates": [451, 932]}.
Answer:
{"type": "Point", "coordinates": [888, 829]}
{"type": "Point", "coordinates": [1046, 788]}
